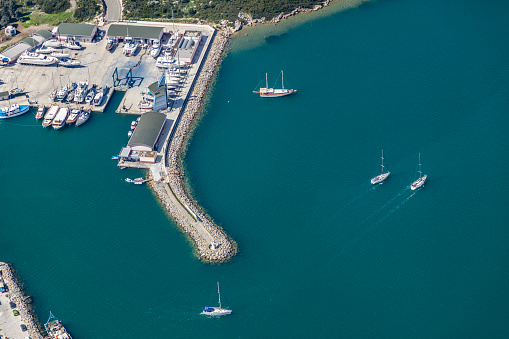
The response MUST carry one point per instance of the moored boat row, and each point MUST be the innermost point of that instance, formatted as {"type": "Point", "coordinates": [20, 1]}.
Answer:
{"type": "Point", "coordinates": [58, 117]}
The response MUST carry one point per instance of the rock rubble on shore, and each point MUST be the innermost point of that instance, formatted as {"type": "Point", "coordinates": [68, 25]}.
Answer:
{"type": "Point", "coordinates": [212, 244]}
{"type": "Point", "coordinates": [17, 296]}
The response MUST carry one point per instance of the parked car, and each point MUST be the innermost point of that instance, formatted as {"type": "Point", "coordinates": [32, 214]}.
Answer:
{"type": "Point", "coordinates": [23, 327]}
{"type": "Point", "coordinates": [15, 312]}
{"type": "Point", "coordinates": [13, 305]}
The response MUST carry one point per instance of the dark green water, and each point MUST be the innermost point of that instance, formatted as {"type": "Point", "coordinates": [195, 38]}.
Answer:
{"type": "Point", "coordinates": [322, 253]}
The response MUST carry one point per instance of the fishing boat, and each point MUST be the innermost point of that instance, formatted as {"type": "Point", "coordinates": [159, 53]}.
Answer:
{"type": "Point", "coordinates": [73, 116]}
{"type": "Point", "coordinates": [98, 98]}
{"type": "Point", "coordinates": [422, 178]}
{"type": "Point", "coordinates": [81, 91]}
{"type": "Point", "coordinates": [40, 112]}
{"type": "Point", "coordinates": [216, 311]}
{"type": "Point", "coordinates": [111, 43]}
{"type": "Point", "coordinates": [91, 94]}
{"type": "Point", "coordinates": [30, 58]}
{"type": "Point", "coordinates": [69, 62]}
{"type": "Point", "coordinates": [380, 178]}
{"type": "Point", "coordinates": [13, 111]}
{"type": "Point", "coordinates": [266, 92]}
{"type": "Point", "coordinates": [84, 116]}
{"type": "Point", "coordinates": [55, 329]}
{"type": "Point", "coordinates": [156, 49]}
{"type": "Point", "coordinates": [60, 118]}
{"type": "Point", "coordinates": [50, 115]}
{"type": "Point", "coordinates": [145, 104]}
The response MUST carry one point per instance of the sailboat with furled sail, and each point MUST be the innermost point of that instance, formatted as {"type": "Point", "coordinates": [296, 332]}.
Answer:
{"type": "Point", "coordinates": [266, 92]}
{"type": "Point", "coordinates": [380, 178]}
{"type": "Point", "coordinates": [216, 311]}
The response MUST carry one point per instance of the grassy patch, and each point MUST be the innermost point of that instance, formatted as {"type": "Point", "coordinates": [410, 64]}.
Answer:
{"type": "Point", "coordinates": [38, 18]}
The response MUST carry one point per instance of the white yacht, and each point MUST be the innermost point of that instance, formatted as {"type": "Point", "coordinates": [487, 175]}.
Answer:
{"type": "Point", "coordinates": [13, 111]}
{"type": "Point", "coordinates": [380, 178]}
{"type": "Point", "coordinates": [60, 118]}
{"type": "Point", "coordinates": [129, 48]}
{"type": "Point", "coordinates": [69, 62]}
{"type": "Point", "coordinates": [90, 95]}
{"type": "Point", "coordinates": [81, 91]}
{"type": "Point", "coordinates": [422, 178]}
{"type": "Point", "coordinates": [50, 115]}
{"type": "Point", "coordinates": [53, 43]}
{"type": "Point", "coordinates": [45, 49]}
{"type": "Point", "coordinates": [216, 311]}
{"type": "Point", "coordinates": [31, 58]}
{"type": "Point", "coordinates": [165, 61]}
{"type": "Point", "coordinates": [98, 98]}
{"type": "Point", "coordinates": [59, 55]}
{"type": "Point", "coordinates": [156, 49]}
{"type": "Point", "coordinates": [75, 45]}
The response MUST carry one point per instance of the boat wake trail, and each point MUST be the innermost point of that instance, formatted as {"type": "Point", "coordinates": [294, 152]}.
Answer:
{"type": "Point", "coordinates": [385, 205]}
{"type": "Point", "coordinates": [10, 123]}
{"type": "Point", "coordinates": [359, 196]}
{"type": "Point", "coordinates": [395, 209]}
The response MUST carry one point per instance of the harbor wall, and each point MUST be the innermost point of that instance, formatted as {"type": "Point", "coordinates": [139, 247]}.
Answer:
{"type": "Point", "coordinates": [17, 296]}
{"type": "Point", "coordinates": [212, 243]}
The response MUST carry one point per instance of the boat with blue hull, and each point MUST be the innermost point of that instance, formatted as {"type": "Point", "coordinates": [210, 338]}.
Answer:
{"type": "Point", "coordinates": [13, 111]}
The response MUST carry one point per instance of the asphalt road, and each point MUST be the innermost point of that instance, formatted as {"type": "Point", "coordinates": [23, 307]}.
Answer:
{"type": "Point", "coordinates": [113, 10]}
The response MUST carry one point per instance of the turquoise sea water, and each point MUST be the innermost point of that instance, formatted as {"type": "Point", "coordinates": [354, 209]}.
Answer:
{"type": "Point", "coordinates": [322, 252]}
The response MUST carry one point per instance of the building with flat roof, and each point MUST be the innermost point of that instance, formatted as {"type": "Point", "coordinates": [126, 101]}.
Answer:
{"type": "Point", "coordinates": [188, 46]}
{"type": "Point", "coordinates": [147, 132]}
{"type": "Point", "coordinates": [76, 32]}
{"type": "Point", "coordinates": [144, 34]}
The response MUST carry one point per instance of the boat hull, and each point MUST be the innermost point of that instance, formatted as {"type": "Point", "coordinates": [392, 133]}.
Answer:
{"type": "Point", "coordinates": [22, 110]}
{"type": "Point", "coordinates": [216, 312]}
{"type": "Point", "coordinates": [276, 93]}
{"type": "Point", "coordinates": [418, 183]}
{"type": "Point", "coordinates": [380, 178]}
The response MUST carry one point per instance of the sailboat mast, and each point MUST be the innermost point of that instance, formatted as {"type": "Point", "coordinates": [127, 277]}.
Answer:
{"type": "Point", "coordinates": [219, 294]}
{"type": "Point", "coordinates": [420, 172]}
{"type": "Point", "coordinates": [282, 80]}
{"type": "Point", "coordinates": [266, 81]}
{"type": "Point", "coordinates": [382, 161]}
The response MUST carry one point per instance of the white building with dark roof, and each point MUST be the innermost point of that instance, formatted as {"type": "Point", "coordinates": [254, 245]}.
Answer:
{"type": "Point", "coordinates": [76, 32]}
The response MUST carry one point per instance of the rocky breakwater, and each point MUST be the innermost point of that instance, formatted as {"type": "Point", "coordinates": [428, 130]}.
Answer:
{"type": "Point", "coordinates": [16, 296]}
{"type": "Point", "coordinates": [212, 243]}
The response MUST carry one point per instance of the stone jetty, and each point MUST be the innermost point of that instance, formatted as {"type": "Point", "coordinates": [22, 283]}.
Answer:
{"type": "Point", "coordinates": [212, 243]}
{"type": "Point", "coordinates": [16, 295]}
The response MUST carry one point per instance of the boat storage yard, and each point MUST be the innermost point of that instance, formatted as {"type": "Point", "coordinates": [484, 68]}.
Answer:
{"type": "Point", "coordinates": [133, 74]}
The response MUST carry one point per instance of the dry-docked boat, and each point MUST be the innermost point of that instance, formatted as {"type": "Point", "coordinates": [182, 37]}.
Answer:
{"type": "Point", "coordinates": [422, 178]}
{"type": "Point", "coordinates": [73, 116]}
{"type": "Point", "coordinates": [73, 45]}
{"type": "Point", "coordinates": [30, 58]}
{"type": "Point", "coordinates": [59, 55]}
{"type": "Point", "coordinates": [40, 112]}
{"type": "Point", "coordinates": [111, 42]}
{"type": "Point", "coordinates": [165, 61]}
{"type": "Point", "coordinates": [156, 49]}
{"type": "Point", "coordinates": [91, 94]}
{"type": "Point", "coordinates": [53, 43]}
{"type": "Point", "coordinates": [53, 94]}
{"type": "Point", "coordinates": [60, 118]}
{"type": "Point", "coordinates": [50, 115]}
{"type": "Point", "coordinates": [84, 115]}
{"type": "Point", "coordinates": [45, 49]}
{"type": "Point", "coordinates": [130, 48]}
{"type": "Point", "coordinates": [145, 104]}
{"type": "Point", "coordinates": [70, 97]}
{"type": "Point", "coordinates": [13, 111]}
{"type": "Point", "coordinates": [266, 92]}
{"type": "Point", "coordinates": [69, 62]}
{"type": "Point", "coordinates": [55, 329]}
{"type": "Point", "coordinates": [380, 178]}
{"type": "Point", "coordinates": [81, 91]}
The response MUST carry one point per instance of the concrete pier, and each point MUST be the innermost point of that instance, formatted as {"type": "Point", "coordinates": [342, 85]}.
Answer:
{"type": "Point", "coordinates": [10, 325]}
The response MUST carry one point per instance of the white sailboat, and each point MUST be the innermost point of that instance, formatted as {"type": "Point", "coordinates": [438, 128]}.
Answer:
{"type": "Point", "coordinates": [422, 178]}
{"type": "Point", "coordinates": [216, 311]}
{"type": "Point", "coordinates": [380, 178]}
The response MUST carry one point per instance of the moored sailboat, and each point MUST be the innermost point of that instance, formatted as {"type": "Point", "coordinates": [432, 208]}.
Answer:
{"type": "Point", "coordinates": [422, 178]}
{"type": "Point", "coordinates": [380, 178]}
{"type": "Point", "coordinates": [216, 311]}
{"type": "Point", "coordinates": [267, 92]}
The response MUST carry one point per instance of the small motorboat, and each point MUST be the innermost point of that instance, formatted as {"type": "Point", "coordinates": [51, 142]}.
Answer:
{"type": "Point", "coordinates": [73, 45]}
{"type": "Point", "coordinates": [59, 55]}
{"type": "Point", "coordinates": [68, 62]}
{"type": "Point", "coordinates": [40, 112]}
